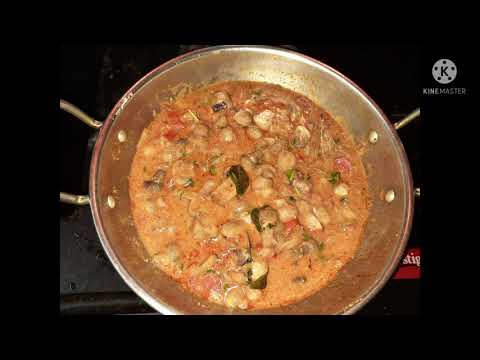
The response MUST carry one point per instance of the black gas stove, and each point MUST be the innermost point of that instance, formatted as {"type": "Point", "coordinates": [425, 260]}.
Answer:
{"type": "Point", "coordinates": [94, 77]}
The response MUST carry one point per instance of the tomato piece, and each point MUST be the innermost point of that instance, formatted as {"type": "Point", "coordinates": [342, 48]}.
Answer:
{"type": "Point", "coordinates": [170, 134]}
{"type": "Point", "coordinates": [289, 225]}
{"type": "Point", "coordinates": [174, 120]}
{"type": "Point", "coordinates": [343, 165]}
{"type": "Point", "coordinates": [202, 285]}
{"type": "Point", "coordinates": [212, 282]}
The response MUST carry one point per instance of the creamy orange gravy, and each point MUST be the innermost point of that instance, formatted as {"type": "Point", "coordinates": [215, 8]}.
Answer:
{"type": "Point", "coordinates": [305, 178]}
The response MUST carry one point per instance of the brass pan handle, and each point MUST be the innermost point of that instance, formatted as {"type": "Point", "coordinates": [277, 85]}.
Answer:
{"type": "Point", "coordinates": [405, 121]}
{"type": "Point", "coordinates": [79, 114]}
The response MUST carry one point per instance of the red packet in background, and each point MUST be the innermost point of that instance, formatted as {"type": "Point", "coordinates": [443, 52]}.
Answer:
{"type": "Point", "coordinates": [409, 267]}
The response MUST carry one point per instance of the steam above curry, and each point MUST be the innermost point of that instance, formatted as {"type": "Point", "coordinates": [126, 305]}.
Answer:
{"type": "Point", "coordinates": [249, 195]}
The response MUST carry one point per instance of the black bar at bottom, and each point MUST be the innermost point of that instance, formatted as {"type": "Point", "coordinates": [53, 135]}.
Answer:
{"type": "Point", "coordinates": [103, 304]}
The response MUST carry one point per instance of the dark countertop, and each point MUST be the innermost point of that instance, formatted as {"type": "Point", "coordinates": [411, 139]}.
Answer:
{"type": "Point", "coordinates": [94, 77]}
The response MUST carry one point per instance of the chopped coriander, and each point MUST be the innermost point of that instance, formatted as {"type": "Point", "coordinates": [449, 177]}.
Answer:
{"type": "Point", "coordinates": [189, 183]}
{"type": "Point", "coordinates": [334, 177]}
{"type": "Point", "coordinates": [210, 271]}
{"type": "Point", "coordinates": [290, 175]}
{"type": "Point", "coordinates": [270, 226]}
{"type": "Point", "coordinates": [213, 170]}
{"type": "Point", "coordinates": [215, 159]}
{"type": "Point", "coordinates": [306, 237]}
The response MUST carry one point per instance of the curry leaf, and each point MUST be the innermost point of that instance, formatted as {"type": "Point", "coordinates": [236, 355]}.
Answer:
{"type": "Point", "coordinates": [239, 178]}
{"type": "Point", "coordinates": [255, 216]}
{"type": "Point", "coordinates": [334, 177]}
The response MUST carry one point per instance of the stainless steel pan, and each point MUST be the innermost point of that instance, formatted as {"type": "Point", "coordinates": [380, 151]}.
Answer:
{"type": "Point", "coordinates": [388, 170]}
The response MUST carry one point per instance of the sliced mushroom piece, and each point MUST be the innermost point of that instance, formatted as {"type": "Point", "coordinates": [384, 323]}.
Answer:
{"type": "Point", "coordinates": [206, 265]}
{"type": "Point", "coordinates": [209, 225]}
{"type": "Point", "coordinates": [221, 101]}
{"type": "Point", "coordinates": [197, 230]}
{"type": "Point", "coordinates": [262, 186]}
{"type": "Point", "coordinates": [221, 122]}
{"type": "Point", "coordinates": [156, 182]}
{"type": "Point", "coordinates": [195, 143]}
{"type": "Point", "coordinates": [306, 216]}
{"type": "Point", "coordinates": [306, 248]}
{"type": "Point", "coordinates": [265, 142]}
{"type": "Point", "coordinates": [245, 217]}
{"type": "Point", "coordinates": [303, 186]}
{"type": "Point", "coordinates": [239, 206]}
{"type": "Point", "coordinates": [233, 228]}
{"type": "Point", "coordinates": [341, 190]}
{"type": "Point", "coordinates": [227, 134]}
{"type": "Point", "coordinates": [287, 213]}
{"type": "Point", "coordinates": [266, 252]}
{"type": "Point", "coordinates": [235, 298]}
{"type": "Point", "coordinates": [268, 238]}
{"type": "Point", "coordinates": [243, 118]}
{"type": "Point", "coordinates": [322, 214]}
{"type": "Point", "coordinates": [293, 240]}
{"type": "Point", "coordinates": [182, 170]}
{"type": "Point", "coordinates": [207, 188]}
{"type": "Point", "coordinates": [247, 164]}
{"type": "Point", "coordinates": [254, 133]}
{"type": "Point", "coordinates": [302, 136]}
{"type": "Point", "coordinates": [159, 176]}
{"type": "Point", "coordinates": [256, 157]}
{"type": "Point", "coordinates": [200, 130]}
{"type": "Point", "coordinates": [286, 160]}
{"type": "Point", "coordinates": [253, 294]}
{"type": "Point", "coordinates": [257, 275]}
{"type": "Point", "coordinates": [264, 119]}
{"type": "Point", "coordinates": [152, 186]}
{"type": "Point", "coordinates": [268, 217]}
{"type": "Point", "coordinates": [238, 277]}
{"type": "Point", "coordinates": [243, 256]}
{"type": "Point", "coordinates": [225, 192]}
{"type": "Point", "coordinates": [266, 170]}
